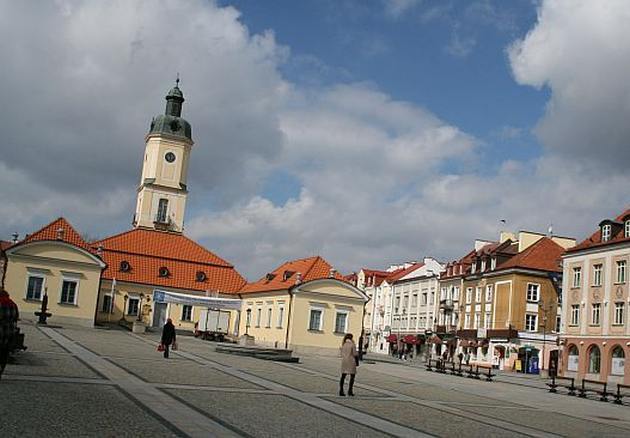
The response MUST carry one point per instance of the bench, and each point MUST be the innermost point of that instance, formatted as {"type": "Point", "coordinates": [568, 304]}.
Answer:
{"type": "Point", "coordinates": [564, 382]}
{"type": "Point", "coordinates": [487, 372]}
{"type": "Point", "coordinates": [473, 371]}
{"type": "Point", "coordinates": [455, 368]}
{"type": "Point", "coordinates": [622, 391]}
{"type": "Point", "coordinates": [593, 386]}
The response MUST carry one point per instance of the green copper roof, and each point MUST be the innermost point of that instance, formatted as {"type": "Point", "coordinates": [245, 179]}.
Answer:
{"type": "Point", "coordinates": [171, 122]}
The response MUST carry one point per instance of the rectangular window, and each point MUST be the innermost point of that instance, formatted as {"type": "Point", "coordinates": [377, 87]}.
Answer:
{"type": "Point", "coordinates": [488, 293]}
{"type": "Point", "coordinates": [478, 294]}
{"type": "Point", "coordinates": [469, 294]}
{"type": "Point", "coordinates": [424, 298]}
{"type": "Point", "coordinates": [258, 316]}
{"type": "Point", "coordinates": [531, 322]}
{"type": "Point", "coordinates": [162, 212]}
{"type": "Point", "coordinates": [467, 320]}
{"type": "Point", "coordinates": [595, 313]}
{"type": "Point", "coordinates": [107, 304]}
{"type": "Point", "coordinates": [533, 292]}
{"type": "Point", "coordinates": [597, 275]}
{"type": "Point", "coordinates": [269, 314]}
{"type": "Point", "coordinates": [280, 316]}
{"type": "Point", "coordinates": [397, 307]}
{"type": "Point", "coordinates": [34, 288]}
{"type": "Point", "coordinates": [621, 271]}
{"type": "Point", "coordinates": [626, 232]}
{"type": "Point", "coordinates": [132, 306]}
{"type": "Point", "coordinates": [315, 320]}
{"type": "Point", "coordinates": [558, 324]}
{"type": "Point", "coordinates": [488, 320]}
{"type": "Point", "coordinates": [456, 293]}
{"type": "Point", "coordinates": [405, 301]}
{"type": "Point", "coordinates": [187, 312]}
{"type": "Point", "coordinates": [577, 277]}
{"type": "Point", "coordinates": [575, 314]}
{"type": "Point", "coordinates": [414, 301]}
{"type": "Point", "coordinates": [477, 320]}
{"type": "Point", "coordinates": [68, 292]}
{"type": "Point", "coordinates": [619, 308]}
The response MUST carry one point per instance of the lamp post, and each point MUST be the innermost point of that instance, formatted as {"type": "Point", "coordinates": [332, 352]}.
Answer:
{"type": "Point", "coordinates": [544, 309]}
{"type": "Point", "coordinates": [140, 308]}
{"type": "Point", "coordinates": [125, 298]}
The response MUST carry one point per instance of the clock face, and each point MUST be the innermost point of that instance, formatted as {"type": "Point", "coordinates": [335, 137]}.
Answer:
{"type": "Point", "coordinates": [170, 157]}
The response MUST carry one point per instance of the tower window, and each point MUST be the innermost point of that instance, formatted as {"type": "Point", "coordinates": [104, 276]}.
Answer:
{"type": "Point", "coordinates": [170, 157]}
{"type": "Point", "coordinates": [162, 210]}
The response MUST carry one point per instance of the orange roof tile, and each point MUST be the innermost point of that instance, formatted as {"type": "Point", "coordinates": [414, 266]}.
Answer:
{"type": "Point", "coordinates": [400, 273]}
{"type": "Point", "coordinates": [595, 240]}
{"type": "Point", "coordinates": [146, 251]}
{"type": "Point", "coordinates": [544, 255]}
{"type": "Point", "coordinates": [160, 244]}
{"type": "Point", "coordinates": [58, 230]}
{"type": "Point", "coordinates": [285, 275]}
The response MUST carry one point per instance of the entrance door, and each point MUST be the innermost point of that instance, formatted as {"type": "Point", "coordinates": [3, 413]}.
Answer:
{"type": "Point", "coordinates": [159, 314]}
{"type": "Point", "coordinates": [553, 363]}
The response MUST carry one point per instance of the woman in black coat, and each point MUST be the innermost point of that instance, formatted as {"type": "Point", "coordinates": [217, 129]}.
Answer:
{"type": "Point", "coordinates": [168, 336]}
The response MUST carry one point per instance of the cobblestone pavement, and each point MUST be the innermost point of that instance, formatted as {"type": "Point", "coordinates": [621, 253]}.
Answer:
{"type": "Point", "coordinates": [110, 383]}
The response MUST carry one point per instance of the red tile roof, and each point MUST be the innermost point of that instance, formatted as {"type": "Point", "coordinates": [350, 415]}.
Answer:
{"type": "Point", "coordinates": [397, 275]}
{"type": "Point", "coordinates": [377, 275]}
{"type": "Point", "coordinates": [162, 244]}
{"type": "Point", "coordinates": [311, 268]}
{"type": "Point", "coordinates": [146, 251]}
{"type": "Point", "coordinates": [544, 255]}
{"type": "Point", "coordinates": [4, 244]}
{"type": "Point", "coordinates": [595, 240]}
{"type": "Point", "coordinates": [58, 230]}
{"type": "Point", "coordinates": [465, 262]}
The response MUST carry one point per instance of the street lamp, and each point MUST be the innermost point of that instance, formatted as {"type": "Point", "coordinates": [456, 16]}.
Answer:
{"type": "Point", "coordinates": [140, 308]}
{"type": "Point", "coordinates": [125, 298]}
{"type": "Point", "coordinates": [544, 309]}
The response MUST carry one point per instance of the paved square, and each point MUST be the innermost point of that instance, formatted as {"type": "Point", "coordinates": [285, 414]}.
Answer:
{"type": "Point", "coordinates": [95, 382]}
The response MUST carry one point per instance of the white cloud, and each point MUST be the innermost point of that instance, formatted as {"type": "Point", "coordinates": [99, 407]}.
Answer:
{"type": "Point", "coordinates": [580, 50]}
{"type": "Point", "coordinates": [397, 8]}
{"type": "Point", "coordinates": [376, 174]}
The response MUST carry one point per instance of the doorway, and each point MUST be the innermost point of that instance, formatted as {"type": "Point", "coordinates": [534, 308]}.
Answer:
{"type": "Point", "coordinates": [159, 314]}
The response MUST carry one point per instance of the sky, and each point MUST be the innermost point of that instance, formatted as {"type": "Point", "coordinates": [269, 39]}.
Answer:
{"type": "Point", "coordinates": [369, 132]}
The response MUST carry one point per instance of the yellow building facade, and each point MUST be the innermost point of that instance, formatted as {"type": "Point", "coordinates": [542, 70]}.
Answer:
{"type": "Point", "coordinates": [303, 305]}
{"type": "Point", "coordinates": [55, 261]}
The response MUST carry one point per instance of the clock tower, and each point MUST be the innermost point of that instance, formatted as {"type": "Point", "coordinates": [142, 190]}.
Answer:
{"type": "Point", "coordinates": [162, 192]}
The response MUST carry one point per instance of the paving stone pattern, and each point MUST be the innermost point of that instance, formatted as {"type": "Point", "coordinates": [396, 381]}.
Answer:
{"type": "Point", "coordinates": [123, 387]}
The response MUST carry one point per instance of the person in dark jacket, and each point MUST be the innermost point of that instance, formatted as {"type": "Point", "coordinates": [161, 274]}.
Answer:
{"type": "Point", "coordinates": [168, 336]}
{"type": "Point", "coordinates": [8, 325]}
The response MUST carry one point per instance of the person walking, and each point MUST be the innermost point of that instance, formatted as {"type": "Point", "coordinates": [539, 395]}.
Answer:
{"type": "Point", "coordinates": [349, 362]}
{"type": "Point", "coordinates": [168, 336]}
{"type": "Point", "coordinates": [8, 325]}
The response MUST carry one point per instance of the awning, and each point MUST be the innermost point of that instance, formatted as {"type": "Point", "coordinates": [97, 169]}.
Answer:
{"type": "Point", "coordinates": [392, 338]}
{"type": "Point", "coordinates": [410, 339]}
{"type": "Point", "coordinates": [162, 296]}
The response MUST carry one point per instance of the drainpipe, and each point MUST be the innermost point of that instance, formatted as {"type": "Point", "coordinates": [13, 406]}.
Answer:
{"type": "Point", "coordinates": [286, 336]}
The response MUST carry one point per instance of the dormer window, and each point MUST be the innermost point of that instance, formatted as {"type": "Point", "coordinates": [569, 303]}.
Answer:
{"type": "Point", "coordinates": [606, 231]}
{"type": "Point", "coordinates": [473, 267]}
{"type": "Point", "coordinates": [270, 276]}
{"type": "Point", "coordinates": [200, 276]}
{"type": "Point", "coordinates": [626, 228]}
{"type": "Point", "coordinates": [483, 265]}
{"type": "Point", "coordinates": [286, 275]}
{"type": "Point", "coordinates": [493, 263]}
{"type": "Point", "coordinates": [163, 272]}
{"type": "Point", "coordinates": [125, 266]}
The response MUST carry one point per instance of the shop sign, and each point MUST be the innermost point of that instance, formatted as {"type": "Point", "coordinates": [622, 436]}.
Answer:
{"type": "Point", "coordinates": [617, 366]}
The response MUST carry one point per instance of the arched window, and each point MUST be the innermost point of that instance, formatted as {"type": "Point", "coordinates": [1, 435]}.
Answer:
{"type": "Point", "coordinates": [606, 232]}
{"type": "Point", "coordinates": [162, 210]}
{"type": "Point", "coordinates": [618, 361]}
{"type": "Point", "coordinates": [573, 359]}
{"type": "Point", "coordinates": [594, 360]}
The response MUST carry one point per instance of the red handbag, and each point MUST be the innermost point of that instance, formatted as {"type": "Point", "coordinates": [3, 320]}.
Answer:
{"type": "Point", "coordinates": [160, 348]}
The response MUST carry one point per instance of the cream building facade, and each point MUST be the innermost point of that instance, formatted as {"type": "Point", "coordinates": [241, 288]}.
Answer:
{"type": "Point", "coordinates": [303, 305]}
{"type": "Point", "coordinates": [55, 262]}
{"type": "Point", "coordinates": [595, 329]}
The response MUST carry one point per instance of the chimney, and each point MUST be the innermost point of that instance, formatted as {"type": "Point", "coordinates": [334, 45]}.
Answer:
{"type": "Point", "coordinates": [331, 273]}
{"type": "Point", "coordinates": [99, 250]}
{"type": "Point", "coordinates": [298, 278]}
{"type": "Point", "coordinates": [60, 233]}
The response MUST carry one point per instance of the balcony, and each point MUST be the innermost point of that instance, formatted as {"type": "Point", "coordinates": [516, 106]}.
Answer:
{"type": "Point", "coordinates": [446, 305]}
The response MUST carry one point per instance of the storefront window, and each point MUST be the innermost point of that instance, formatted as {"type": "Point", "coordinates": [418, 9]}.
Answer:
{"type": "Point", "coordinates": [594, 360]}
{"type": "Point", "coordinates": [574, 357]}
{"type": "Point", "coordinates": [618, 361]}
